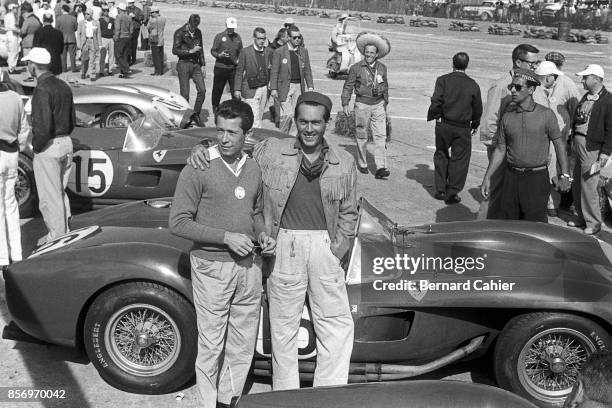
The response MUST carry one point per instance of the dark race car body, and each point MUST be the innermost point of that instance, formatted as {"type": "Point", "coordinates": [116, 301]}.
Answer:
{"type": "Point", "coordinates": [537, 297]}
{"type": "Point", "coordinates": [115, 165]}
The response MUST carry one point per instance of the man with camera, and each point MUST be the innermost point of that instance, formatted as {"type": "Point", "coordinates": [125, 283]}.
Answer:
{"type": "Point", "coordinates": [253, 74]}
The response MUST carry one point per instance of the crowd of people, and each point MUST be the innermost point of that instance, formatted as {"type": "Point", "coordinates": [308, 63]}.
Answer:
{"type": "Point", "coordinates": [296, 198]}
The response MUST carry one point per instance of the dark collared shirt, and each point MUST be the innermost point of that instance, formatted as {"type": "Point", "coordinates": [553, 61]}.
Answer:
{"type": "Point", "coordinates": [107, 27]}
{"type": "Point", "coordinates": [184, 41]}
{"type": "Point", "coordinates": [52, 111]}
{"type": "Point", "coordinates": [232, 43]}
{"type": "Point", "coordinates": [456, 99]}
{"type": "Point", "coordinates": [527, 133]}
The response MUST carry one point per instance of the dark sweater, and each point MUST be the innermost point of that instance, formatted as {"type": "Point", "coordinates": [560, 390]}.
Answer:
{"type": "Point", "coordinates": [456, 99]}
{"type": "Point", "coordinates": [205, 206]}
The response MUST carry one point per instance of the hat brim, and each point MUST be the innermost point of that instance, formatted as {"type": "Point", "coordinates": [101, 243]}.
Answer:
{"type": "Point", "coordinates": [381, 43]}
{"type": "Point", "coordinates": [589, 72]}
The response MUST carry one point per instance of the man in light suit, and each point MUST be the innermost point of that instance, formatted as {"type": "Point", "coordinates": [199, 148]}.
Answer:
{"type": "Point", "coordinates": [253, 74]}
{"type": "Point", "coordinates": [90, 38]}
{"type": "Point", "coordinates": [290, 76]}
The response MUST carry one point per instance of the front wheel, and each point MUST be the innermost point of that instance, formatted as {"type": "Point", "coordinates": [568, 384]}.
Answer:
{"type": "Point", "coordinates": [118, 116]}
{"type": "Point", "coordinates": [25, 187]}
{"type": "Point", "coordinates": [539, 355]}
{"type": "Point", "coordinates": [142, 338]}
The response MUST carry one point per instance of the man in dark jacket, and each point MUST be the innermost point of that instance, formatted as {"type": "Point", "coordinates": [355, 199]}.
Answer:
{"type": "Point", "coordinates": [253, 74]}
{"type": "Point", "coordinates": [137, 19]}
{"type": "Point", "coordinates": [52, 40]}
{"type": "Point", "coordinates": [187, 45]}
{"type": "Point", "coordinates": [226, 48]}
{"type": "Point", "coordinates": [456, 106]}
{"type": "Point", "coordinates": [67, 24]}
{"type": "Point", "coordinates": [593, 147]}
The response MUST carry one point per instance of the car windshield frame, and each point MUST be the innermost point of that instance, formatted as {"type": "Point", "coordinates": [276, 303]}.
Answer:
{"type": "Point", "coordinates": [143, 134]}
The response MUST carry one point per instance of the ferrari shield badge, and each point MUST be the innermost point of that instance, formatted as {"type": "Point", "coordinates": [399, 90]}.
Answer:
{"type": "Point", "coordinates": [158, 155]}
{"type": "Point", "coordinates": [239, 192]}
{"type": "Point", "coordinates": [416, 292]}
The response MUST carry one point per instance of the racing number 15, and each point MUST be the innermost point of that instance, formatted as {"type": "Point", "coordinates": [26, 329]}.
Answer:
{"type": "Point", "coordinates": [91, 172]}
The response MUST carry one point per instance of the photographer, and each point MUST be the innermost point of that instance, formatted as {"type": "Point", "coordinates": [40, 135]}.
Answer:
{"type": "Point", "coordinates": [368, 78]}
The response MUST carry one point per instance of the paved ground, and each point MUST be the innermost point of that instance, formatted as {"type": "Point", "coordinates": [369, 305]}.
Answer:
{"type": "Point", "coordinates": [418, 56]}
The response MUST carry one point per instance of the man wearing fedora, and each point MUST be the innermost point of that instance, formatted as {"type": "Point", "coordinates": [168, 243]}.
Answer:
{"type": "Point", "coordinates": [368, 79]}
{"type": "Point", "coordinates": [592, 130]}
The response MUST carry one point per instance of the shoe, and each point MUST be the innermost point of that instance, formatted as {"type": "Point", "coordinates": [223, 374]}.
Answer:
{"type": "Point", "coordinates": [109, 73]}
{"type": "Point", "coordinates": [29, 79]}
{"type": "Point", "coordinates": [382, 173]}
{"type": "Point", "coordinates": [153, 74]}
{"type": "Point", "coordinates": [13, 72]}
{"type": "Point", "coordinates": [440, 195]}
{"type": "Point", "coordinates": [362, 170]}
{"type": "Point", "coordinates": [196, 120]}
{"type": "Point", "coordinates": [552, 212]}
{"type": "Point", "coordinates": [93, 79]}
{"type": "Point", "coordinates": [83, 76]}
{"type": "Point", "coordinates": [576, 224]}
{"type": "Point", "coordinates": [592, 230]}
{"type": "Point", "coordinates": [124, 76]}
{"type": "Point", "coordinates": [453, 199]}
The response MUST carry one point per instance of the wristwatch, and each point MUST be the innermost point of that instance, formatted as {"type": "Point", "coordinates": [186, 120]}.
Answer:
{"type": "Point", "coordinates": [567, 176]}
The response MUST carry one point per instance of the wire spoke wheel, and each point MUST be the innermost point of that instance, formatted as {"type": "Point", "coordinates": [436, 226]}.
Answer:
{"type": "Point", "coordinates": [23, 188]}
{"type": "Point", "coordinates": [549, 362]}
{"type": "Point", "coordinates": [143, 339]}
{"type": "Point", "coordinates": [117, 119]}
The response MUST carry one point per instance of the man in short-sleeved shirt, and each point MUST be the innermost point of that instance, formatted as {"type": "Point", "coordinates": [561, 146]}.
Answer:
{"type": "Point", "coordinates": [523, 139]}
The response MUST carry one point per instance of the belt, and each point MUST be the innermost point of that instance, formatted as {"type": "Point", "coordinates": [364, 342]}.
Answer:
{"type": "Point", "coordinates": [189, 59]}
{"type": "Point", "coordinates": [579, 134]}
{"type": "Point", "coordinates": [456, 123]}
{"type": "Point", "coordinates": [89, 38]}
{"type": "Point", "coordinates": [296, 81]}
{"type": "Point", "coordinates": [526, 170]}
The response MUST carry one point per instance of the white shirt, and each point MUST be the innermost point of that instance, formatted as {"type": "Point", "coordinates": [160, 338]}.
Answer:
{"type": "Point", "coordinates": [40, 13]}
{"type": "Point", "coordinates": [10, 23]}
{"type": "Point", "coordinates": [89, 29]}
{"type": "Point", "coordinates": [213, 151]}
{"type": "Point", "coordinates": [96, 12]}
{"type": "Point", "coordinates": [113, 12]}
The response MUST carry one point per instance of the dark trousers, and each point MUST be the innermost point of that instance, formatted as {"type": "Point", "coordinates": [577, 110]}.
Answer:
{"type": "Point", "coordinates": [452, 157]}
{"type": "Point", "coordinates": [221, 77]}
{"type": "Point", "coordinates": [525, 195]}
{"type": "Point", "coordinates": [133, 47]}
{"type": "Point", "coordinates": [122, 50]}
{"type": "Point", "coordinates": [69, 51]}
{"type": "Point", "coordinates": [190, 70]}
{"type": "Point", "coordinates": [157, 53]}
{"type": "Point", "coordinates": [144, 43]}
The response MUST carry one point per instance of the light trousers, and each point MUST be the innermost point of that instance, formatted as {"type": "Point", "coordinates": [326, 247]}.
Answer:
{"type": "Point", "coordinates": [287, 110]}
{"type": "Point", "coordinates": [89, 59]}
{"type": "Point", "coordinates": [227, 299]}
{"type": "Point", "coordinates": [373, 117]}
{"type": "Point", "coordinates": [107, 52]}
{"type": "Point", "coordinates": [10, 232]}
{"type": "Point", "coordinates": [12, 48]}
{"type": "Point", "coordinates": [52, 170]}
{"type": "Point", "coordinates": [258, 104]}
{"type": "Point", "coordinates": [584, 187]}
{"type": "Point", "coordinates": [305, 265]}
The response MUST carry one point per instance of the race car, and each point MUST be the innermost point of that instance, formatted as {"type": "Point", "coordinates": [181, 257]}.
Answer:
{"type": "Point", "coordinates": [536, 298]}
{"type": "Point", "coordinates": [115, 165]}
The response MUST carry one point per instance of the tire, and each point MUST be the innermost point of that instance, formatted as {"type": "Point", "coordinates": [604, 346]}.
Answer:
{"type": "Point", "coordinates": [110, 316]}
{"type": "Point", "coordinates": [118, 116]}
{"type": "Point", "coordinates": [541, 337]}
{"type": "Point", "coordinates": [485, 17]}
{"type": "Point", "coordinates": [25, 187]}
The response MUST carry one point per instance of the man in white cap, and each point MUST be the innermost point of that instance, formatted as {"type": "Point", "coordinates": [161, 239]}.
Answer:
{"type": "Point", "coordinates": [226, 49]}
{"type": "Point", "coordinates": [44, 9]}
{"type": "Point", "coordinates": [12, 37]}
{"type": "Point", "coordinates": [562, 97]}
{"type": "Point", "coordinates": [592, 130]}
{"type": "Point", "coordinates": [53, 119]}
{"type": "Point", "coordinates": [368, 79]}
{"type": "Point", "coordinates": [288, 22]}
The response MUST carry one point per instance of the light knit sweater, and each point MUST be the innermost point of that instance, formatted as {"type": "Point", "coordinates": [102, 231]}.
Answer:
{"type": "Point", "coordinates": [14, 124]}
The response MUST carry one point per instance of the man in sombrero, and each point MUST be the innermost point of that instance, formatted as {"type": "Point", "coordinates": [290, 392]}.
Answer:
{"type": "Point", "coordinates": [368, 78]}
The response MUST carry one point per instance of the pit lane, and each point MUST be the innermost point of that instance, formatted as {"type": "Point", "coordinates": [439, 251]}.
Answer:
{"type": "Point", "coordinates": [418, 56]}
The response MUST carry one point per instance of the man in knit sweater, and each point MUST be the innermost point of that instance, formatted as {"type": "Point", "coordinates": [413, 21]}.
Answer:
{"type": "Point", "coordinates": [219, 209]}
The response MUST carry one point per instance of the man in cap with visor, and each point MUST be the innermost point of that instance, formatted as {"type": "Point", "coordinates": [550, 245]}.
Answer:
{"type": "Point", "coordinates": [226, 48]}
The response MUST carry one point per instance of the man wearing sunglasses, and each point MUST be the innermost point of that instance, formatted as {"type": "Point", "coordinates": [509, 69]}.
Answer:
{"type": "Point", "coordinates": [521, 146]}
{"type": "Point", "coordinates": [290, 76]}
{"type": "Point", "coordinates": [524, 56]}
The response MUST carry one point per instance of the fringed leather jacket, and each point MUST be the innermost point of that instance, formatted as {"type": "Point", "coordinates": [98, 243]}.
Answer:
{"type": "Point", "coordinates": [280, 160]}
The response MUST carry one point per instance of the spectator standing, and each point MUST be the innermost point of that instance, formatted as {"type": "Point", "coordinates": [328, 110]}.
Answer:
{"type": "Point", "coordinates": [524, 136]}
{"type": "Point", "coordinates": [12, 38]}
{"type": "Point", "coordinates": [14, 131]}
{"type": "Point", "coordinates": [122, 40]}
{"type": "Point", "coordinates": [67, 24]}
{"type": "Point", "coordinates": [290, 76]}
{"type": "Point", "coordinates": [593, 147]}
{"type": "Point", "coordinates": [107, 47]}
{"type": "Point", "coordinates": [53, 119]}
{"type": "Point", "coordinates": [562, 97]}
{"type": "Point", "coordinates": [456, 106]}
{"type": "Point", "coordinates": [220, 210]}
{"type": "Point", "coordinates": [281, 39]}
{"type": "Point", "coordinates": [113, 12]}
{"type": "Point", "coordinates": [44, 9]}
{"type": "Point", "coordinates": [593, 388]}
{"type": "Point", "coordinates": [187, 45]}
{"type": "Point", "coordinates": [368, 79]}
{"type": "Point", "coordinates": [52, 40]}
{"type": "Point", "coordinates": [91, 38]}
{"type": "Point", "coordinates": [30, 25]}
{"type": "Point", "coordinates": [156, 27]}
{"type": "Point", "coordinates": [338, 29]}
{"type": "Point", "coordinates": [137, 18]}
{"type": "Point", "coordinates": [226, 48]}
{"type": "Point", "coordinates": [144, 32]}
{"type": "Point", "coordinates": [524, 56]}
{"type": "Point", "coordinates": [253, 75]}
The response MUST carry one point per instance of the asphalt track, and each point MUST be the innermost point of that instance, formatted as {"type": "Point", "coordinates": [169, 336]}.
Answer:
{"type": "Point", "coordinates": [418, 56]}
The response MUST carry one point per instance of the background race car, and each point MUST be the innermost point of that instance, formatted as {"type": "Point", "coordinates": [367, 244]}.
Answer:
{"type": "Point", "coordinates": [115, 165]}
{"type": "Point", "coordinates": [536, 297]}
